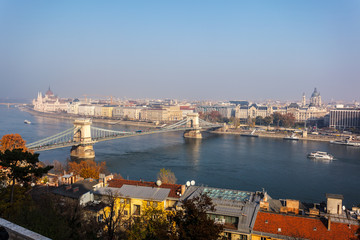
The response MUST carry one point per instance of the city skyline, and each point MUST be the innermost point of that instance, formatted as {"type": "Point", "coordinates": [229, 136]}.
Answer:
{"type": "Point", "coordinates": [181, 50]}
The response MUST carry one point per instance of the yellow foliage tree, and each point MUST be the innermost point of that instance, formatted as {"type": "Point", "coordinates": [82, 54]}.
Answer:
{"type": "Point", "coordinates": [87, 168]}
{"type": "Point", "coordinates": [11, 142]}
{"type": "Point", "coordinates": [166, 176]}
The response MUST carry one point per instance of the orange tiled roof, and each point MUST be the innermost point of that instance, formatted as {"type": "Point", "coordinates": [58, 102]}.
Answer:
{"type": "Point", "coordinates": [303, 227]}
{"type": "Point", "coordinates": [174, 188]}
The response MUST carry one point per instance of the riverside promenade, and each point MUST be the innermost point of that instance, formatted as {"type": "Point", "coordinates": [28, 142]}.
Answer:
{"type": "Point", "coordinates": [281, 134]}
{"type": "Point", "coordinates": [94, 119]}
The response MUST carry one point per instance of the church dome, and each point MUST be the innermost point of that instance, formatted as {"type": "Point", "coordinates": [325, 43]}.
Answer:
{"type": "Point", "coordinates": [315, 93]}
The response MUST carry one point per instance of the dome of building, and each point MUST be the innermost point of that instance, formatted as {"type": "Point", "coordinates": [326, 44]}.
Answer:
{"type": "Point", "coordinates": [49, 92]}
{"type": "Point", "coordinates": [315, 93]}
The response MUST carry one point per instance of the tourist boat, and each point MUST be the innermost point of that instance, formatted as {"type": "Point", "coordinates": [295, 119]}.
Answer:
{"type": "Point", "coordinates": [318, 155]}
{"type": "Point", "coordinates": [292, 137]}
{"type": "Point", "coordinates": [347, 142]}
{"type": "Point", "coordinates": [27, 121]}
{"type": "Point", "coordinates": [250, 134]}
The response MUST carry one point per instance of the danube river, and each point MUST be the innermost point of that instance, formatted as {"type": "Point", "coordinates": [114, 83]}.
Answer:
{"type": "Point", "coordinates": [235, 162]}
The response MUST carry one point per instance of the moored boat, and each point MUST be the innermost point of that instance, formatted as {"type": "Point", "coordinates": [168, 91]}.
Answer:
{"type": "Point", "coordinates": [292, 137]}
{"type": "Point", "coordinates": [318, 155]}
{"type": "Point", "coordinates": [27, 121]}
{"type": "Point", "coordinates": [346, 142]}
{"type": "Point", "coordinates": [252, 134]}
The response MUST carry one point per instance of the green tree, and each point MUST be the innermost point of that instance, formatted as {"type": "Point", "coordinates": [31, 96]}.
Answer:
{"type": "Point", "coordinates": [259, 120]}
{"type": "Point", "coordinates": [277, 118]}
{"type": "Point", "coordinates": [268, 120]}
{"type": "Point", "coordinates": [193, 223]}
{"type": "Point", "coordinates": [21, 167]}
{"type": "Point", "coordinates": [166, 176]}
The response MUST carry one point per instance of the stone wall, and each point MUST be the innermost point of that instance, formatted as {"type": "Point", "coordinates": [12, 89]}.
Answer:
{"type": "Point", "coordinates": [17, 232]}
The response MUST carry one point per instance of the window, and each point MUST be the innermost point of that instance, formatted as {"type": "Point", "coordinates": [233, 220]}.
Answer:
{"type": "Point", "coordinates": [263, 238]}
{"type": "Point", "coordinates": [136, 209]}
{"type": "Point", "coordinates": [148, 203]}
{"type": "Point", "coordinates": [126, 212]}
{"type": "Point", "coordinates": [243, 237]}
{"type": "Point", "coordinates": [122, 200]}
{"type": "Point", "coordinates": [100, 218]}
{"type": "Point", "coordinates": [155, 204]}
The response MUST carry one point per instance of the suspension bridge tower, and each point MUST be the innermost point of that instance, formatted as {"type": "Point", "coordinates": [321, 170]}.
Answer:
{"type": "Point", "coordinates": [82, 134]}
{"type": "Point", "coordinates": [193, 122]}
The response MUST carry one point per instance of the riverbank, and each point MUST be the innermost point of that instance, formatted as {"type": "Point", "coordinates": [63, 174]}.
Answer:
{"type": "Point", "coordinates": [95, 120]}
{"type": "Point", "coordinates": [265, 134]}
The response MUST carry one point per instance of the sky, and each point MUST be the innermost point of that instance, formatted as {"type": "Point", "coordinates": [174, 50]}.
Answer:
{"type": "Point", "coordinates": [188, 49]}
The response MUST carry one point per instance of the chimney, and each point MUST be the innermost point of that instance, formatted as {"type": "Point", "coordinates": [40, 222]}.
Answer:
{"type": "Point", "coordinates": [182, 189]}
{"type": "Point", "coordinates": [265, 197]}
{"type": "Point", "coordinates": [329, 223]}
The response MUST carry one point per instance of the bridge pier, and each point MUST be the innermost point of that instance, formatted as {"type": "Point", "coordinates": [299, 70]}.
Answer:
{"type": "Point", "coordinates": [193, 123]}
{"type": "Point", "coordinates": [83, 135]}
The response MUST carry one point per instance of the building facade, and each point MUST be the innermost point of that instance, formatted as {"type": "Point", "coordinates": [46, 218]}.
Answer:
{"type": "Point", "coordinates": [225, 111]}
{"type": "Point", "coordinates": [86, 110]}
{"type": "Point", "coordinates": [344, 118]}
{"type": "Point", "coordinates": [50, 103]}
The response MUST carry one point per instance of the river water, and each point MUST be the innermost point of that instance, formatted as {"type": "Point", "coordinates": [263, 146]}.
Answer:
{"type": "Point", "coordinates": [226, 161]}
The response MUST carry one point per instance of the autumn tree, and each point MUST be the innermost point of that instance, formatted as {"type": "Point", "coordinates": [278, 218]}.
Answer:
{"type": "Point", "coordinates": [193, 223]}
{"type": "Point", "coordinates": [11, 142]}
{"type": "Point", "coordinates": [166, 176]}
{"type": "Point", "coordinates": [87, 168]}
{"type": "Point", "coordinates": [114, 218]}
{"type": "Point", "coordinates": [21, 166]}
{"type": "Point", "coordinates": [251, 121]}
{"type": "Point", "coordinates": [288, 120]}
{"type": "Point", "coordinates": [154, 223]}
{"type": "Point", "coordinates": [59, 168]}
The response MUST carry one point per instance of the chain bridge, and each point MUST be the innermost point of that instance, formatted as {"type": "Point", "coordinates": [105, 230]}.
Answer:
{"type": "Point", "coordinates": [83, 135]}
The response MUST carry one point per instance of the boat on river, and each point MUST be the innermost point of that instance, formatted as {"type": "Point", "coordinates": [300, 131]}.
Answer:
{"type": "Point", "coordinates": [318, 155]}
{"type": "Point", "coordinates": [252, 134]}
{"type": "Point", "coordinates": [27, 121]}
{"type": "Point", "coordinates": [292, 137]}
{"type": "Point", "coordinates": [347, 142]}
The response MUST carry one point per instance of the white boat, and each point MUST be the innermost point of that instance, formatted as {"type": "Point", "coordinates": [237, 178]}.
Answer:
{"type": "Point", "coordinates": [347, 142]}
{"type": "Point", "coordinates": [318, 155]}
{"type": "Point", "coordinates": [27, 121]}
{"type": "Point", "coordinates": [292, 137]}
{"type": "Point", "coordinates": [252, 134]}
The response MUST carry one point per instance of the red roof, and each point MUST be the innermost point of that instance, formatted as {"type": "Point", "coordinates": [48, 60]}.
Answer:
{"type": "Point", "coordinates": [174, 188]}
{"type": "Point", "coordinates": [303, 227]}
{"type": "Point", "coordinates": [186, 108]}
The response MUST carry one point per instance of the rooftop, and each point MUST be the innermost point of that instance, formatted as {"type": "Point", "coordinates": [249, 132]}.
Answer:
{"type": "Point", "coordinates": [75, 190]}
{"type": "Point", "coordinates": [302, 227]}
{"type": "Point", "coordinates": [173, 193]}
{"type": "Point", "coordinates": [139, 192]}
{"type": "Point", "coordinates": [335, 196]}
{"type": "Point", "coordinates": [241, 204]}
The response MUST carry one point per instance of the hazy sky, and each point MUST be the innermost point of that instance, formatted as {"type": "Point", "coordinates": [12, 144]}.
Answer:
{"type": "Point", "coordinates": [188, 49]}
